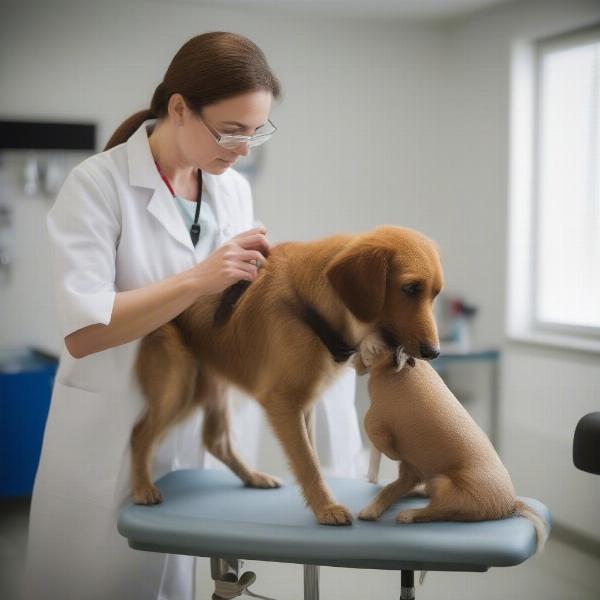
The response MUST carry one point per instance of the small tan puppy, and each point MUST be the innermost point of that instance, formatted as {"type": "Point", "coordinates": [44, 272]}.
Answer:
{"type": "Point", "coordinates": [415, 419]}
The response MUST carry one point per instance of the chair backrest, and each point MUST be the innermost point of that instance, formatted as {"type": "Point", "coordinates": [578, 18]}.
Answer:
{"type": "Point", "coordinates": [586, 444]}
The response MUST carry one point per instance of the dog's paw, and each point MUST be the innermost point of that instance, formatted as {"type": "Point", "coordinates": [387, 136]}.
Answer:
{"type": "Point", "coordinates": [263, 480]}
{"type": "Point", "coordinates": [147, 495]}
{"type": "Point", "coordinates": [334, 514]}
{"type": "Point", "coordinates": [369, 513]}
{"type": "Point", "coordinates": [405, 516]}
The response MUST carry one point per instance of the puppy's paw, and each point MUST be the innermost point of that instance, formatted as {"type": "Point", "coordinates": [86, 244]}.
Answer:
{"type": "Point", "coordinates": [405, 516]}
{"type": "Point", "coordinates": [263, 480]}
{"type": "Point", "coordinates": [149, 494]}
{"type": "Point", "coordinates": [369, 513]}
{"type": "Point", "coordinates": [334, 514]}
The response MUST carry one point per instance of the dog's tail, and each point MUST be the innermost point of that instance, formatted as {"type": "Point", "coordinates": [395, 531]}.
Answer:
{"type": "Point", "coordinates": [542, 529]}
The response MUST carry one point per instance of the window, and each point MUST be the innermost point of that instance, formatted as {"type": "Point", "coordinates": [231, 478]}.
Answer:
{"type": "Point", "coordinates": [554, 268]}
{"type": "Point", "coordinates": [567, 184]}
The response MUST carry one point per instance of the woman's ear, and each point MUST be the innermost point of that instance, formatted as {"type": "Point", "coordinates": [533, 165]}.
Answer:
{"type": "Point", "coordinates": [177, 108]}
{"type": "Point", "coordinates": [359, 275]}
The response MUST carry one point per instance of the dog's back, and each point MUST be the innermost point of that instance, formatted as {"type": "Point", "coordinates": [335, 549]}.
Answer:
{"type": "Point", "coordinates": [265, 327]}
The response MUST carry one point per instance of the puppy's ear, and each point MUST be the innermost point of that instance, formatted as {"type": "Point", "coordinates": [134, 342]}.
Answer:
{"type": "Point", "coordinates": [359, 275]}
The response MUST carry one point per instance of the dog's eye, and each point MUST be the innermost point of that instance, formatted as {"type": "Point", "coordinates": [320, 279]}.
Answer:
{"type": "Point", "coordinates": [412, 289]}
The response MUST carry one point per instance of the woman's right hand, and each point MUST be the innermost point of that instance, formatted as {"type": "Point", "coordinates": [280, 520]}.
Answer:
{"type": "Point", "coordinates": [233, 261]}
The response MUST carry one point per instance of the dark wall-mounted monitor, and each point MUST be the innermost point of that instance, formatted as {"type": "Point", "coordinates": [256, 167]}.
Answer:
{"type": "Point", "coordinates": [28, 135]}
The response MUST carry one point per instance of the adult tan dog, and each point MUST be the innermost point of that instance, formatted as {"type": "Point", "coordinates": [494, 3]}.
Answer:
{"type": "Point", "coordinates": [303, 315]}
{"type": "Point", "coordinates": [414, 418]}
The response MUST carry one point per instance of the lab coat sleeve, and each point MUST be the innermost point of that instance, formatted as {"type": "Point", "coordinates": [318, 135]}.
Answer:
{"type": "Point", "coordinates": [83, 230]}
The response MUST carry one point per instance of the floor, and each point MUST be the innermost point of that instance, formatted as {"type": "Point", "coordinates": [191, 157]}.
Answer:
{"type": "Point", "coordinates": [561, 572]}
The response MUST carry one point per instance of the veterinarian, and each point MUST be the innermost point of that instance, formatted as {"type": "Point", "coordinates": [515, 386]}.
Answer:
{"type": "Point", "coordinates": [138, 233]}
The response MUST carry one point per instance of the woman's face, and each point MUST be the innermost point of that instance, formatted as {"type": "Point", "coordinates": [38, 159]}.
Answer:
{"type": "Point", "coordinates": [240, 115]}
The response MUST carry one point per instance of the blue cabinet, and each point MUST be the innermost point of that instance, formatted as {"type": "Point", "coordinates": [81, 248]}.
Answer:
{"type": "Point", "coordinates": [26, 380]}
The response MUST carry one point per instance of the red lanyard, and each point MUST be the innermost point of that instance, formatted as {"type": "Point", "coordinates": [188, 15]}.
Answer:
{"type": "Point", "coordinates": [165, 179]}
{"type": "Point", "coordinates": [195, 228]}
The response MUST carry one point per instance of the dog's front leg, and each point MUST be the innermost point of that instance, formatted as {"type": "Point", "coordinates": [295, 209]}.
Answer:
{"type": "Point", "coordinates": [290, 427]}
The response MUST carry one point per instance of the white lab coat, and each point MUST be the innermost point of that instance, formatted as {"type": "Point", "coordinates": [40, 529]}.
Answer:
{"type": "Point", "coordinates": [115, 227]}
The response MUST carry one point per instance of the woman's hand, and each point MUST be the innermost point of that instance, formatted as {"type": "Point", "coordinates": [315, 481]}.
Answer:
{"type": "Point", "coordinates": [235, 260]}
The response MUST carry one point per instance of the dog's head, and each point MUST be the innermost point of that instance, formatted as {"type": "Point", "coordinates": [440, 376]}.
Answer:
{"type": "Point", "coordinates": [389, 278]}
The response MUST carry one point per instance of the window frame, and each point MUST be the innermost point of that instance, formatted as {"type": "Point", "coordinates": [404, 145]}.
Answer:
{"type": "Point", "coordinates": [523, 323]}
{"type": "Point", "coordinates": [560, 42]}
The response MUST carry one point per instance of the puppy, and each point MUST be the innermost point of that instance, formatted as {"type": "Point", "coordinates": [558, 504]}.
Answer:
{"type": "Point", "coordinates": [282, 340]}
{"type": "Point", "coordinates": [415, 419]}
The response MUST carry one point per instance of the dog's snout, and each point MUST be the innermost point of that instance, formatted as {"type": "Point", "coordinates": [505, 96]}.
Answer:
{"type": "Point", "coordinates": [429, 352]}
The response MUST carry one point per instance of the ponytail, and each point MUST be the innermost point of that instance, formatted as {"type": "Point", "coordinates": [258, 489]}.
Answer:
{"type": "Point", "coordinates": [206, 69]}
{"type": "Point", "coordinates": [158, 107]}
{"type": "Point", "coordinates": [127, 128]}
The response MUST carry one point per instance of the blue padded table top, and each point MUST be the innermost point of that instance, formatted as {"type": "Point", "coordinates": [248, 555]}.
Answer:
{"type": "Point", "coordinates": [210, 513]}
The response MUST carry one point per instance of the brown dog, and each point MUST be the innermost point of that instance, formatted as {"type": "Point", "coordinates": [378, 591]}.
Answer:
{"type": "Point", "coordinates": [303, 315]}
{"type": "Point", "coordinates": [414, 418]}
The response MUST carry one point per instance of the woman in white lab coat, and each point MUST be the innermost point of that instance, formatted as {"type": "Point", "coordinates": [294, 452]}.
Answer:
{"type": "Point", "coordinates": [125, 264]}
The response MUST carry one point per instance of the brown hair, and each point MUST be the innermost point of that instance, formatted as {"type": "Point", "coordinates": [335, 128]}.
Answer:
{"type": "Point", "coordinates": [206, 69]}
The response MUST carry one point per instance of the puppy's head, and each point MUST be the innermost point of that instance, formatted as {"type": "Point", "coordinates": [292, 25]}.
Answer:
{"type": "Point", "coordinates": [389, 278]}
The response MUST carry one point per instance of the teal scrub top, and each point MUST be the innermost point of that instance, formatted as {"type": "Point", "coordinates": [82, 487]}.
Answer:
{"type": "Point", "coordinates": [207, 220]}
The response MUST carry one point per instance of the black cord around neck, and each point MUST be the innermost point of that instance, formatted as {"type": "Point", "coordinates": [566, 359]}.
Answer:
{"type": "Point", "coordinates": [195, 229]}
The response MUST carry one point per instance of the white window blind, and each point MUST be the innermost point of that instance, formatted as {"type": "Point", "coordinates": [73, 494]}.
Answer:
{"type": "Point", "coordinates": [566, 236]}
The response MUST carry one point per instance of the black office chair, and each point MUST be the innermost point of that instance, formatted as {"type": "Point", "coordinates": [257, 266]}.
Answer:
{"type": "Point", "coordinates": [586, 444]}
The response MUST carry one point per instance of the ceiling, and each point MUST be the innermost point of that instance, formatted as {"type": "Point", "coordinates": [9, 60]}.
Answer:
{"type": "Point", "coordinates": [407, 9]}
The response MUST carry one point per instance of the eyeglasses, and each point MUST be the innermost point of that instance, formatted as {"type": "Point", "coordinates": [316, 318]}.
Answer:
{"type": "Point", "coordinates": [226, 140]}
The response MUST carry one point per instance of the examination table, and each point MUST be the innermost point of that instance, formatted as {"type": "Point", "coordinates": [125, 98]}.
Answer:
{"type": "Point", "coordinates": [210, 513]}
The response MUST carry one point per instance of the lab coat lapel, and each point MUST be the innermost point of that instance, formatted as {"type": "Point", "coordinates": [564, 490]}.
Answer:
{"type": "Point", "coordinates": [162, 205]}
{"type": "Point", "coordinates": [143, 173]}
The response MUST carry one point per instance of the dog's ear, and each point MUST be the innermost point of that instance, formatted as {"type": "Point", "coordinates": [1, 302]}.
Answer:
{"type": "Point", "coordinates": [359, 275]}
